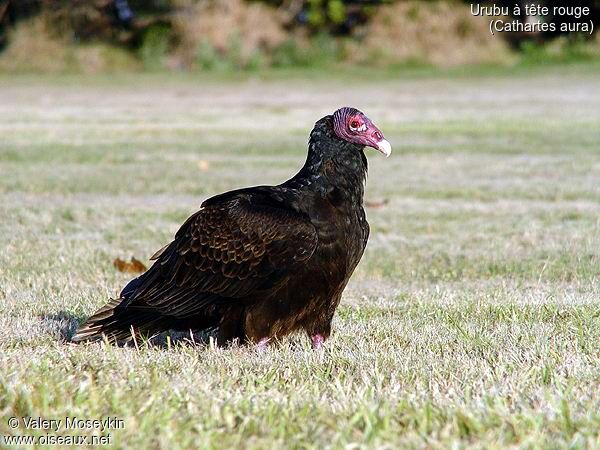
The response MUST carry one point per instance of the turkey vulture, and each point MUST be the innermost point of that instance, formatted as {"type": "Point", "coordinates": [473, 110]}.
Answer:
{"type": "Point", "coordinates": [261, 262]}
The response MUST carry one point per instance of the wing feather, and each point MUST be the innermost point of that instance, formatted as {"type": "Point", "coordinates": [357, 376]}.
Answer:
{"type": "Point", "coordinates": [226, 251]}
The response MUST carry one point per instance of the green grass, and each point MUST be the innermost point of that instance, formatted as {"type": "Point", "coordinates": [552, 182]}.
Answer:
{"type": "Point", "coordinates": [473, 320]}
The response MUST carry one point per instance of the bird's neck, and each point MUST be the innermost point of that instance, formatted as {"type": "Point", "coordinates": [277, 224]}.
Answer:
{"type": "Point", "coordinates": [333, 163]}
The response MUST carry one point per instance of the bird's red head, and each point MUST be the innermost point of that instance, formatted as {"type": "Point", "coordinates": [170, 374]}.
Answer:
{"type": "Point", "coordinates": [353, 126]}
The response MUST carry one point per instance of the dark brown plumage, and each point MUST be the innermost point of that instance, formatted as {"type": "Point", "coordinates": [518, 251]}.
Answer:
{"type": "Point", "coordinates": [261, 262]}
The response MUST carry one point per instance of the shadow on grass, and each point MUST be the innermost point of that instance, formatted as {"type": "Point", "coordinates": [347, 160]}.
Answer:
{"type": "Point", "coordinates": [66, 323]}
{"type": "Point", "coordinates": [184, 338]}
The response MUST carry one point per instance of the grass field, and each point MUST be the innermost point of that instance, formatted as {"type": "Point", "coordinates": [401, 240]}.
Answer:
{"type": "Point", "coordinates": [473, 320]}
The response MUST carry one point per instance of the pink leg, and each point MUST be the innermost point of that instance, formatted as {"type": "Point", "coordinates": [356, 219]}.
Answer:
{"type": "Point", "coordinates": [263, 343]}
{"type": "Point", "coordinates": [317, 341]}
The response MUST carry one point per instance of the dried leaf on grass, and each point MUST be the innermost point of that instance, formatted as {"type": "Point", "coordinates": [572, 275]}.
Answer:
{"type": "Point", "coordinates": [377, 203]}
{"type": "Point", "coordinates": [135, 266]}
{"type": "Point", "coordinates": [203, 165]}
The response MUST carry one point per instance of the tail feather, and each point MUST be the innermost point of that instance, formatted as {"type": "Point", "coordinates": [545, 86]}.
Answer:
{"type": "Point", "coordinates": [118, 324]}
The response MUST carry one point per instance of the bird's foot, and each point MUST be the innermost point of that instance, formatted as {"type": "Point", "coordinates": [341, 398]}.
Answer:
{"type": "Point", "coordinates": [317, 341]}
{"type": "Point", "coordinates": [263, 343]}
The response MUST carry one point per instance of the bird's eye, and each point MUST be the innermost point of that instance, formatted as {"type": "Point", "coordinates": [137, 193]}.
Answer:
{"type": "Point", "coordinates": [357, 126]}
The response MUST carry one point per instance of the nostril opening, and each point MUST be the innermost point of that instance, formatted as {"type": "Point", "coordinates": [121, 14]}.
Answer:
{"type": "Point", "coordinates": [378, 135]}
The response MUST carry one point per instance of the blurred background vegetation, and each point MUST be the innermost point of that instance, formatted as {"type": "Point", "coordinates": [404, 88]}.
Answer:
{"type": "Point", "coordinates": [93, 36]}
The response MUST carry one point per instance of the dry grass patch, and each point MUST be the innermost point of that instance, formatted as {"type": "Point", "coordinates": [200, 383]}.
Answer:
{"type": "Point", "coordinates": [33, 47]}
{"type": "Point", "coordinates": [234, 29]}
{"type": "Point", "coordinates": [438, 32]}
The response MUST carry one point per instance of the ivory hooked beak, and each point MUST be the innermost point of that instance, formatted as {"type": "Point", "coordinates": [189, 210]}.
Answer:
{"type": "Point", "coordinates": [384, 147]}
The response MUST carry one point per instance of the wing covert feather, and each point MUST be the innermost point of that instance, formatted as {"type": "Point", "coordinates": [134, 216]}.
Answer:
{"type": "Point", "coordinates": [227, 250]}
